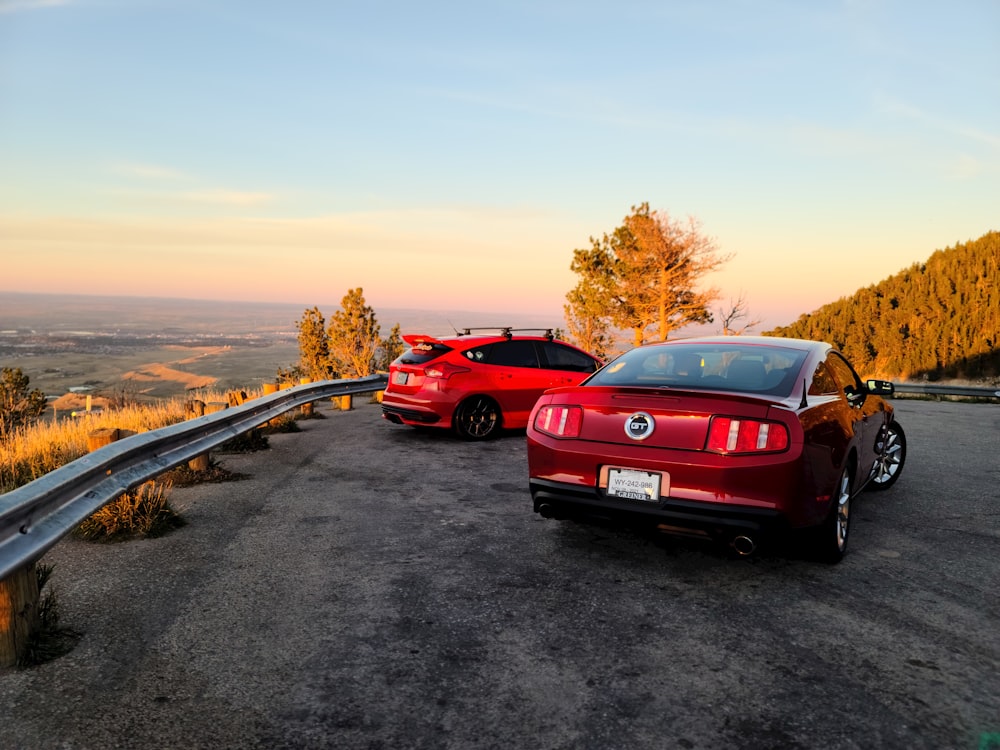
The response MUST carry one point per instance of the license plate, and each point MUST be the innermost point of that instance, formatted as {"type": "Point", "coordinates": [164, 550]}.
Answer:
{"type": "Point", "coordinates": [633, 484]}
{"type": "Point", "coordinates": [399, 378]}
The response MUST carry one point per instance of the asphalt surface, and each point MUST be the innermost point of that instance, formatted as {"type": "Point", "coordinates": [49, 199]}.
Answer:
{"type": "Point", "coordinates": [371, 586]}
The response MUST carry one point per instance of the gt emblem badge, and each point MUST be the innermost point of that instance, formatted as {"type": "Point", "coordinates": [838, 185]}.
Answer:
{"type": "Point", "coordinates": [639, 426]}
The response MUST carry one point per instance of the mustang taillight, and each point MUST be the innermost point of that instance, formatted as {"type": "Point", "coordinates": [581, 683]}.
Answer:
{"type": "Point", "coordinates": [731, 435]}
{"type": "Point", "coordinates": [559, 421]}
{"type": "Point", "coordinates": [443, 370]}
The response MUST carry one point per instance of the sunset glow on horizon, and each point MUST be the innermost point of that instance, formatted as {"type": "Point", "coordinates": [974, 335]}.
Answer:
{"type": "Point", "coordinates": [452, 157]}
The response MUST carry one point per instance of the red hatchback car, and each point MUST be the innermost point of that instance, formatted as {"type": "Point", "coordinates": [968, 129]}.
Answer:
{"type": "Point", "coordinates": [479, 384]}
{"type": "Point", "coordinates": [729, 438]}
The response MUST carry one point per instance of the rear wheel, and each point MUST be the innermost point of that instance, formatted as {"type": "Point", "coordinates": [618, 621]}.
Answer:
{"type": "Point", "coordinates": [832, 535]}
{"type": "Point", "coordinates": [477, 418]}
{"type": "Point", "coordinates": [891, 449]}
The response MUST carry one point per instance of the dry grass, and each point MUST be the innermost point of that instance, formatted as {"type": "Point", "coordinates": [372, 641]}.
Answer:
{"type": "Point", "coordinates": [142, 513]}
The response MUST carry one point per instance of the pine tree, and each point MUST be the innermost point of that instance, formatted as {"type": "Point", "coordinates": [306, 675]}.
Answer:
{"type": "Point", "coordinates": [314, 348]}
{"type": "Point", "coordinates": [354, 336]}
{"type": "Point", "coordinates": [20, 405]}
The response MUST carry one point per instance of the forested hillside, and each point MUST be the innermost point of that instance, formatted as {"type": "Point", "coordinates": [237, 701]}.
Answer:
{"type": "Point", "coordinates": [939, 319]}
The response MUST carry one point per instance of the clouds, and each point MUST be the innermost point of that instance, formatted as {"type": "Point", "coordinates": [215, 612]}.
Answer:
{"type": "Point", "coordinates": [153, 184]}
{"type": "Point", "coordinates": [445, 153]}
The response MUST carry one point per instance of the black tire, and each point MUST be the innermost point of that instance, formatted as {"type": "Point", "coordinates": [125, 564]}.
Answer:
{"type": "Point", "coordinates": [477, 418]}
{"type": "Point", "coordinates": [832, 535]}
{"type": "Point", "coordinates": [891, 449]}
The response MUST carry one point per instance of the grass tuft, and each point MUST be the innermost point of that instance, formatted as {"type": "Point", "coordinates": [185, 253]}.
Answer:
{"type": "Point", "coordinates": [142, 513]}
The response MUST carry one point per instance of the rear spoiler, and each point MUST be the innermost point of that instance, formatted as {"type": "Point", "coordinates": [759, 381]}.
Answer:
{"type": "Point", "coordinates": [422, 339]}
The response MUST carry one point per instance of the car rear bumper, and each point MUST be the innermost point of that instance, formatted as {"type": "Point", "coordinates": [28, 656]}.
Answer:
{"type": "Point", "coordinates": [715, 520]}
{"type": "Point", "coordinates": [401, 415]}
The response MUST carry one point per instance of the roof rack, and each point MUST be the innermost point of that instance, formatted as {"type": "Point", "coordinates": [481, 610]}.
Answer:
{"type": "Point", "coordinates": [507, 331]}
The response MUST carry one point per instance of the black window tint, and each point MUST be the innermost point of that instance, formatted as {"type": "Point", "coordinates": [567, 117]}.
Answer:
{"type": "Point", "coordinates": [514, 354]}
{"type": "Point", "coordinates": [822, 382]}
{"type": "Point", "coordinates": [843, 373]}
{"type": "Point", "coordinates": [479, 353]}
{"type": "Point", "coordinates": [421, 353]}
{"type": "Point", "coordinates": [559, 357]}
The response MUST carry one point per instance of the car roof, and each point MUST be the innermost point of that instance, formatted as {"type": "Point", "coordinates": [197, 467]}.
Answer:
{"type": "Point", "coordinates": [749, 341]}
{"type": "Point", "coordinates": [466, 338]}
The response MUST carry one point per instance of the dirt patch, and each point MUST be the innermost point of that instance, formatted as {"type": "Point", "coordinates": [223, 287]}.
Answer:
{"type": "Point", "coordinates": [158, 372]}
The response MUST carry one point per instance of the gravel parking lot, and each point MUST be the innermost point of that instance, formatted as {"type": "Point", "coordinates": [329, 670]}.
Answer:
{"type": "Point", "coordinates": [367, 585]}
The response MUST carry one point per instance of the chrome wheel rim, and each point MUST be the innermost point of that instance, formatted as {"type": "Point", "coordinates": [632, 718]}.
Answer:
{"type": "Point", "coordinates": [890, 457]}
{"type": "Point", "coordinates": [843, 511]}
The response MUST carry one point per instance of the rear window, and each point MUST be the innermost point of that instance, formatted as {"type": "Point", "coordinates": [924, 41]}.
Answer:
{"type": "Point", "coordinates": [769, 370]}
{"type": "Point", "coordinates": [421, 353]}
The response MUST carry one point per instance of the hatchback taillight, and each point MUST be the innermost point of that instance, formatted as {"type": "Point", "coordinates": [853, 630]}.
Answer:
{"type": "Point", "coordinates": [559, 421]}
{"type": "Point", "coordinates": [443, 370]}
{"type": "Point", "coordinates": [732, 435]}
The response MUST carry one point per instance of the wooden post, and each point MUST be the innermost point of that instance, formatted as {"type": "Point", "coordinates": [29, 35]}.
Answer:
{"type": "Point", "coordinates": [192, 410]}
{"type": "Point", "coordinates": [270, 388]}
{"type": "Point", "coordinates": [307, 409]}
{"type": "Point", "coordinates": [344, 403]}
{"type": "Point", "coordinates": [202, 462]}
{"type": "Point", "coordinates": [104, 436]}
{"type": "Point", "coordinates": [19, 618]}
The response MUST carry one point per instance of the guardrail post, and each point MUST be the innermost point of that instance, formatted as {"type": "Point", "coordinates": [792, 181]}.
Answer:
{"type": "Point", "coordinates": [192, 410]}
{"type": "Point", "coordinates": [344, 403]}
{"type": "Point", "coordinates": [270, 388]}
{"type": "Point", "coordinates": [200, 409]}
{"type": "Point", "coordinates": [306, 409]}
{"type": "Point", "coordinates": [19, 618]}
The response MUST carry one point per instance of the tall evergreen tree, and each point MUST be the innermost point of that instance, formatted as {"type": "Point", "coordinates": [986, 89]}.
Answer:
{"type": "Point", "coordinates": [354, 336]}
{"type": "Point", "coordinates": [314, 348]}
{"type": "Point", "coordinates": [644, 277]}
{"type": "Point", "coordinates": [586, 310]}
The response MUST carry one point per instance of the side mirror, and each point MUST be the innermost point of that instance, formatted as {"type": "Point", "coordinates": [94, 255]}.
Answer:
{"type": "Point", "coordinates": [881, 387]}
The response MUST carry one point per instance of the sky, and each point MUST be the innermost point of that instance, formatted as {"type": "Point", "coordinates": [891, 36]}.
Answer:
{"type": "Point", "coordinates": [452, 155]}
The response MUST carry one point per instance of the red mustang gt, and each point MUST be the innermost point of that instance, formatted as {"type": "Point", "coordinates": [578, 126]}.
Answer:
{"type": "Point", "coordinates": [730, 438]}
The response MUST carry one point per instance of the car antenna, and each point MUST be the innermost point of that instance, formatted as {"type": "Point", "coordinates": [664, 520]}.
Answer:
{"type": "Point", "coordinates": [803, 403]}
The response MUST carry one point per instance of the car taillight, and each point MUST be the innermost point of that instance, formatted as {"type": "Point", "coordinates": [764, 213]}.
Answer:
{"type": "Point", "coordinates": [559, 421]}
{"type": "Point", "coordinates": [731, 435]}
{"type": "Point", "coordinates": [443, 370]}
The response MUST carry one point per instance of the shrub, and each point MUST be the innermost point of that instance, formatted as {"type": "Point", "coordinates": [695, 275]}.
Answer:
{"type": "Point", "coordinates": [143, 512]}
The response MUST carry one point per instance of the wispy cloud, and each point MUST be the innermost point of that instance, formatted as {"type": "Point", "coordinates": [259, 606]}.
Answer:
{"type": "Point", "coordinates": [226, 197]}
{"type": "Point", "coordinates": [177, 186]}
{"type": "Point", "coordinates": [149, 171]}
{"type": "Point", "coordinates": [17, 6]}
{"type": "Point", "coordinates": [902, 109]}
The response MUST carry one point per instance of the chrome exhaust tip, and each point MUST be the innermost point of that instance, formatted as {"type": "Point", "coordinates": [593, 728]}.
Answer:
{"type": "Point", "coordinates": [744, 545]}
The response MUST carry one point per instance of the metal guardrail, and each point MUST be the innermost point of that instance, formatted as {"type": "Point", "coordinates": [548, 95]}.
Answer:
{"type": "Point", "coordinates": [947, 390]}
{"type": "Point", "coordinates": [37, 515]}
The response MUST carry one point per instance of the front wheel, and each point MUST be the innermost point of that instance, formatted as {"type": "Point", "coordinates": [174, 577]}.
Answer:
{"type": "Point", "coordinates": [477, 418]}
{"type": "Point", "coordinates": [891, 449]}
{"type": "Point", "coordinates": [832, 535]}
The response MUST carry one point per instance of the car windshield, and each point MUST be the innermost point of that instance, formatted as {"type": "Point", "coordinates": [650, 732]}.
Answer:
{"type": "Point", "coordinates": [770, 370]}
